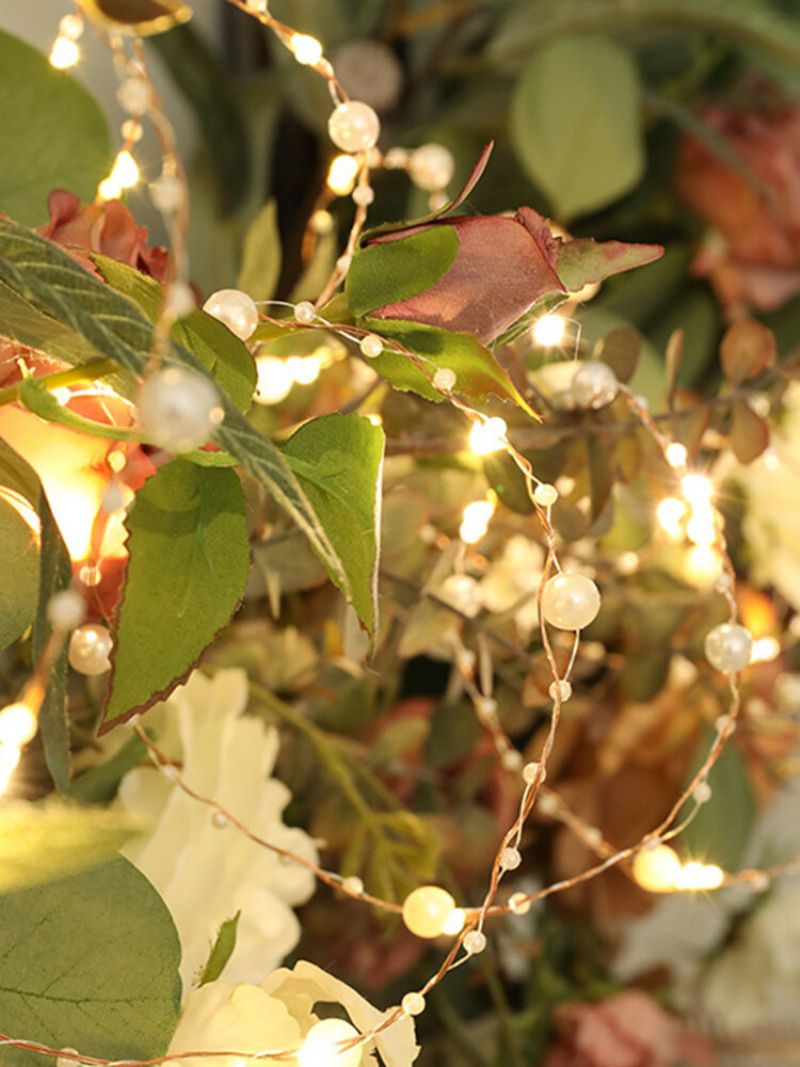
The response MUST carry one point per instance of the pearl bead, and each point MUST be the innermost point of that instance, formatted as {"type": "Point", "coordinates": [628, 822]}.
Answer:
{"type": "Point", "coordinates": [18, 725]}
{"type": "Point", "coordinates": [66, 610]}
{"type": "Point", "coordinates": [475, 942]}
{"type": "Point", "coordinates": [545, 495]}
{"type": "Point", "coordinates": [561, 688]}
{"type": "Point", "coordinates": [353, 885]}
{"type": "Point", "coordinates": [570, 601]}
{"type": "Point", "coordinates": [321, 222]}
{"type": "Point", "coordinates": [322, 1045]}
{"type": "Point", "coordinates": [71, 26]}
{"type": "Point", "coordinates": [486, 707]}
{"type": "Point", "coordinates": [431, 167]}
{"type": "Point", "coordinates": [235, 309]}
{"type": "Point", "coordinates": [363, 195]}
{"type": "Point", "coordinates": [371, 346]}
{"type": "Point", "coordinates": [702, 793]}
{"type": "Point", "coordinates": [132, 130]}
{"type": "Point", "coordinates": [170, 771]}
{"type": "Point", "coordinates": [444, 379]}
{"type": "Point", "coordinates": [166, 193]}
{"type": "Point", "coordinates": [729, 647]}
{"type": "Point", "coordinates": [354, 126]}
{"type": "Point", "coordinates": [89, 649]}
{"type": "Point", "coordinates": [396, 158]}
{"type": "Point", "coordinates": [68, 1058]}
{"type": "Point", "coordinates": [594, 384]}
{"type": "Point", "coordinates": [219, 820]}
{"type": "Point", "coordinates": [178, 409]}
{"type": "Point", "coordinates": [510, 859]}
{"type": "Point", "coordinates": [304, 312]}
{"type": "Point", "coordinates": [531, 771]}
{"type": "Point", "coordinates": [511, 760]}
{"type": "Point", "coordinates": [722, 583]}
{"type": "Point", "coordinates": [519, 904]}
{"type": "Point", "coordinates": [134, 96]}
{"type": "Point", "coordinates": [427, 909]}
{"type": "Point", "coordinates": [413, 1004]}
{"type": "Point", "coordinates": [180, 301]}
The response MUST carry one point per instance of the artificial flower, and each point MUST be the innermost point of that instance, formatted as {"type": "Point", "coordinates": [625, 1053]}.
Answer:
{"type": "Point", "coordinates": [204, 878]}
{"type": "Point", "coordinates": [277, 1014]}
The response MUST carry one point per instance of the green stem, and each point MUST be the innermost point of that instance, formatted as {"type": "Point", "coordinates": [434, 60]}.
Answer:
{"type": "Point", "coordinates": [82, 375]}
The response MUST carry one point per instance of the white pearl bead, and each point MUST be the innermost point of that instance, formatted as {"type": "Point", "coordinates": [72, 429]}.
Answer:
{"type": "Point", "coordinates": [413, 1004]}
{"type": "Point", "coordinates": [304, 312]}
{"type": "Point", "coordinates": [570, 601]}
{"type": "Point", "coordinates": [427, 909]}
{"type": "Point", "coordinates": [510, 859]}
{"type": "Point", "coordinates": [178, 409]}
{"type": "Point", "coordinates": [363, 195]}
{"type": "Point", "coordinates": [431, 167]}
{"type": "Point", "coordinates": [371, 346]}
{"type": "Point", "coordinates": [354, 126]}
{"type": "Point", "coordinates": [560, 688]}
{"type": "Point", "coordinates": [66, 610]}
{"type": "Point", "coordinates": [444, 379]}
{"type": "Point", "coordinates": [729, 647]}
{"type": "Point", "coordinates": [530, 772]}
{"type": "Point", "coordinates": [545, 495]}
{"type": "Point", "coordinates": [702, 793]}
{"type": "Point", "coordinates": [65, 1060]}
{"type": "Point", "coordinates": [134, 96]}
{"type": "Point", "coordinates": [594, 384]}
{"type": "Point", "coordinates": [71, 26]}
{"type": "Point", "coordinates": [353, 885]}
{"type": "Point", "coordinates": [519, 904]}
{"type": "Point", "coordinates": [475, 942]}
{"type": "Point", "coordinates": [89, 649]}
{"type": "Point", "coordinates": [219, 820]}
{"type": "Point", "coordinates": [132, 130]}
{"type": "Point", "coordinates": [235, 309]}
{"type": "Point", "coordinates": [180, 301]}
{"type": "Point", "coordinates": [166, 193]}
{"type": "Point", "coordinates": [511, 760]}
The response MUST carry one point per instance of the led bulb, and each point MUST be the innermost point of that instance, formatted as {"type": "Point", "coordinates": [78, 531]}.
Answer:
{"type": "Point", "coordinates": [18, 725]}
{"type": "Point", "coordinates": [475, 522]}
{"type": "Point", "coordinates": [274, 380]}
{"type": "Point", "coordinates": [65, 53]}
{"type": "Point", "coordinates": [549, 330]}
{"type": "Point", "coordinates": [342, 174]}
{"type": "Point", "coordinates": [657, 869]}
{"type": "Point", "coordinates": [322, 1045]}
{"type": "Point", "coordinates": [488, 436]}
{"type": "Point", "coordinates": [306, 49]}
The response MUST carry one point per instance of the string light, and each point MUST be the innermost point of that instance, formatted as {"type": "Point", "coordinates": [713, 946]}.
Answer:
{"type": "Point", "coordinates": [657, 869]}
{"type": "Point", "coordinates": [305, 49]}
{"type": "Point", "coordinates": [323, 1045]}
{"type": "Point", "coordinates": [475, 521]}
{"type": "Point", "coordinates": [342, 174]}
{"type": "Point", "coordinates": [549, 331]}
{"type": "Point", "coordinates": [65, 53]}
{"type": "Point", "coordinates": [488, 435]}
{"type": "Point", "coordinates": [676, 454]}
{"type": "Point", "coordinates": [670, 513]}
{"type": "Point", "coordinates": [695, 876]}
{"type": "Point", "coordinates": [124, 175]}
{"type": "Point", "coordinates": [765, 649]}
{"type": "Point", "coordinates": [427, 910]}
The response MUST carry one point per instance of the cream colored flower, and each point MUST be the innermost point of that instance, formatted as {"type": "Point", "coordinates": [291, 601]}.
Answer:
{"type": "Point", "coordinates": [772, 522]}
{"type": "Point", "coordinates": [206, 874]}
{"type": "Point", "coordinates": [276, 1016]}
{"type": "Point", "coordinates": [512, 581]}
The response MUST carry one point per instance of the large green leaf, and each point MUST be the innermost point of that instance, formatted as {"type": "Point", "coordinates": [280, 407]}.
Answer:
{"type": "Point", "coordinates": [389, 271]}
{"type": "Point", "coordinates": [54, 285]}
{"type": "Point", "coordinates": [339, 461]}
{"type": "Point", "coordinates": [261, 255]}
{"type": "Point", "coordinates": [222, 354]}
{"type": "Point", "coordinates": [189, 557]}
{"type": "Point", "coordinates": [20, 584]}
{"type": "Point", "coordinates": [89, 962]}
{"type": "Point", "coordinates": [43, 843]}
{"type": "Point", "coordinates": [54, 133]}
{"type": "Point", "coordinates": [576, 124]}
{"type": "Point", "coordinates": [478, 374]}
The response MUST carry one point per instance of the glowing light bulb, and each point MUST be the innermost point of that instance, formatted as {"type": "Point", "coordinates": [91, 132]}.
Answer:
{"type": "Point", "coordinates": [549, 331]}
{"type": "Point", "coordinates": [697, 489]}
{"type": "Point", "coordinates": [454, 923]}
{"type": "Point", "coordinates": [695, 876]}
{"type": "Point", "coordinates": [304, 369]}
{"type": "Point", "coordinates": [676, 454]}
{"type": "Point", "coordinates": [18, 724]}
{"type": "Point", "coordinates": [701, 529]}
{"type": "Point", "coordinates": [322, 1046]}
{"type": "Point", "coordinates": [427, 910]}
{"type": "Point", "coordinates": [9, 761]}
{"type": "Point", "coordinates": [489, 436]}
{"type": "Point", "coordinates": [765, 649]}
{"type": "Point", "coordinates": [657, 869]}
{"type": "Point", "coordinates": [108, 189]}
{"type": "Point", "coordinates": [305, 49]}
{"type": "Point", "coordinates": [475, 522]}
{"type": "Point", "coordinates": [65, 53]}
{"type": "Point", "coordinates": [274, 380]}
{"type": "Point", "coordinates": [125, 170]}
{"type": "Point", "coordinates": [670, 513]}
{"type": "Point", "coordinates": [342, 174]}
{"type": "Point", "coordinates": [703, 565]}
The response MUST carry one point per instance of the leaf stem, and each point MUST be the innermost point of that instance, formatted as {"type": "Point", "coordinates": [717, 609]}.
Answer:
{"type": "Point", "coordinates": [81, 375]}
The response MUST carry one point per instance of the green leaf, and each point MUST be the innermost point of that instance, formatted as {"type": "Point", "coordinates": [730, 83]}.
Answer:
{"type": "Point", "coordinates": [222, 950]}
{"type": "Point", "coordinates": [478, 374]}
{"type": "Point", "coordinates": [576, 123]}
{"type": "Point", "coordinates": [19, 588]}
{"type": "Point", "coordinates": [55, 135]}
{"type": "Point", "coordinates": [187, 568]}
{"type": "Point", "coordinates": [99, 785]}
{"type": "Point", "coordinates": [384, 273]}
{"type": "Point", "coordinates": [89, 962]}
{"type": "Point", "coordinates": [339, 462]}
{"type": "Point", "coordinates": [586, 261]}
{"type": "Point", "coordinates": [52, 284]}
{"type": "Point", "coordinates": [261, 256]}
{"type": "Point", "coordinates": [222, 354]}
{"type": "Point", "coordinates": [721, 829]}
{"type": "Point", "coordinates": [44, 843]}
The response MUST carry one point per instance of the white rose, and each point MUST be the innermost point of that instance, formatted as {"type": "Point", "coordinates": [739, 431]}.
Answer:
{"type": "Point", "coordinates": [206, 874]}
{"type": "Point", "coordinates": [276, 1016]}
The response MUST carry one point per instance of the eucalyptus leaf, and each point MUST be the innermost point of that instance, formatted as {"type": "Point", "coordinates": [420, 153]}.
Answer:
{"type": "Point", "coordinates": [187, 568]}
{"type": "Point", "coordinates": [221, 951]}
{"type": "Point", "coordinates": [18, 591]}
{"type": "Point", "coordinates": [89, 962]}
{"type": "Point", "coordinates": [261, 256]}
{"type": "Point", "coordinates": [55, 135]}
{"type": "Point", "coordinates": [576, 123]}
